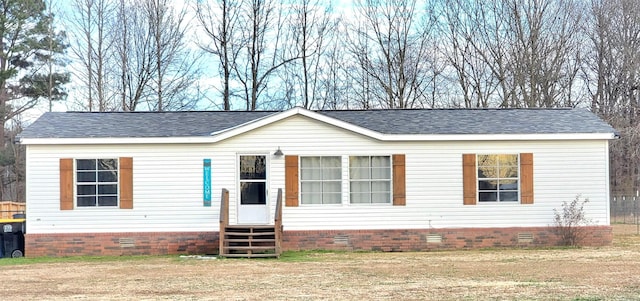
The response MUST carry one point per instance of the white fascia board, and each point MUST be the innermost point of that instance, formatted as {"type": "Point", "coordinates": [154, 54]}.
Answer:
{"type": "Point", "coordinates": [116, 140]}
{"type": "Point", "coordinates": [499, 137]}
{"type": "Point", "coordinates": [417, 138]}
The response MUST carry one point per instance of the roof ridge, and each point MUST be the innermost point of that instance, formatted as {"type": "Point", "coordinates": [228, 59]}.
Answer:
{"type": "Point", "coordinates": [161, 112]}
{"type": "Point", "coordinates": [339, 110]}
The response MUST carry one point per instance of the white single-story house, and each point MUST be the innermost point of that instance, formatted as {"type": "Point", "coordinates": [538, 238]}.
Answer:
{"type": "Point", "coordinates": [117, 183]}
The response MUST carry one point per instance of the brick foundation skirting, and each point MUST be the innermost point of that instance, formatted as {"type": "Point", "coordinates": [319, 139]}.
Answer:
{"type": "Point", "coordinates": [351, 240]}
{"type": "Point", "coordinates": [137, 243]}
{"type": "Point", "coordinates": [437, 239]}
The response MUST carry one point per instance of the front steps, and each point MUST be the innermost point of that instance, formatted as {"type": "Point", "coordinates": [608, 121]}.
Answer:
{"type": "Point", "coordinates": [248, 241]}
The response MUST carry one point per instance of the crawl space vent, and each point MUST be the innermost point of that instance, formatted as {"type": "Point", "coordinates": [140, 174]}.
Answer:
{"type": "Point", "coordinates": [434, 238]}
{"type": "Point", "coordinates": [341, 240]}
{"type": "Point", "coordinates": [525, 238]}
{"type": "Point", "coordinates": [127, 242]}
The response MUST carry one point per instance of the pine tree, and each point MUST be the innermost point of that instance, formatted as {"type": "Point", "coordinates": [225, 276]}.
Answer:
{"type": "Point", "coordinates": [29, 56]}
{"type": "Point", "coordinates": [28, 47]}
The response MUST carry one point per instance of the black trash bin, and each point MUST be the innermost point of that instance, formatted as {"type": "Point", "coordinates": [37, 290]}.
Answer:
{"type": "Point", "coordinates": [12, 239]}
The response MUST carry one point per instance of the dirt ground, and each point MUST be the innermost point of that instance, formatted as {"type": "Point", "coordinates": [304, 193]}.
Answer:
{"type": "Point", "coordinates": [608, 273]}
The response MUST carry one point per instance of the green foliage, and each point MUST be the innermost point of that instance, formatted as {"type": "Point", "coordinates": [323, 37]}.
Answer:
{"type": "Point", "coordinates": [38, 85]}
{"type": "Point", "coordinates": [569, 222]}
{"type": "Point", "coordinates": [30, 46]}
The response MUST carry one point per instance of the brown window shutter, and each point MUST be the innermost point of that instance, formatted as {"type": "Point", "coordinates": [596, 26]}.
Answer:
{"type": "Point", "coordinates": [399, 195]}
{"type": "Point", "coordinates": [66, 184]}
{"type": "Point", "coordinates": [526, 178]}
{"type": "Point", "coordinates": [469, 178]}
{"type": "Point", "coordinates": [291, 180]}
{"type": "Point", "coordinates": [126, 183]}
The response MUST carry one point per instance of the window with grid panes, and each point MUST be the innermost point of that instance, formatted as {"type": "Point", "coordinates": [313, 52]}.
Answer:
{"type": "Point", "coordinates": [96, 182]}
{"type": "Point", "coordinates": [320, 180]}
{"type": "Point", "coordinates": [370, 179]}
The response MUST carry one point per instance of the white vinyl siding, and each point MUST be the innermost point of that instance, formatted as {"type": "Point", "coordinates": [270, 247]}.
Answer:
{"type": "Point", "coordinates": [167, 181]}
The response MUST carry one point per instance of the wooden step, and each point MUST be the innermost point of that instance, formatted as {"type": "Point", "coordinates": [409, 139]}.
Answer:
{"type": "Point", "coordinates": [258, 255]}
{"type": "Point", "coordinates": [250, 226]}
{"type": "Point", "coordinates": [250, 240]}
{"type": "Point", "coordinates": [250, 248]}
{"type": "Point", "coordinates": [248, 233]}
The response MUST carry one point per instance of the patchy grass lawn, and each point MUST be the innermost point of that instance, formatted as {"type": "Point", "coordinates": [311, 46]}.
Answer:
{"type": "Point", "coordinates": [609, 273]}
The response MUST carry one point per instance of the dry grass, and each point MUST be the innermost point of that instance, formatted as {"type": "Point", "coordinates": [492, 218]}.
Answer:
{"type": "Point", "coordinates": [610, 273]}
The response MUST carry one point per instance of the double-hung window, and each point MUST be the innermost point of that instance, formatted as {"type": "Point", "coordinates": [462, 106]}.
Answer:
{"type": "Point", "coordinates": [370, 179]}
{"type": "Point", "coordinates": [96, 182]}
{"type": "Point", "coordinates": [498, 178]}
{"type": "Point", "coordinates": [320, 180]}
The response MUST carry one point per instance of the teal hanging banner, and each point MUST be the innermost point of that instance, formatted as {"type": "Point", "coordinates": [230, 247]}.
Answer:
{"type": "Point", "coordinates": [206, 182]}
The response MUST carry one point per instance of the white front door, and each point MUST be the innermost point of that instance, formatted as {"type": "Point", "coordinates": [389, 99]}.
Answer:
{"type": "Point", "coordinates": [253, 205]}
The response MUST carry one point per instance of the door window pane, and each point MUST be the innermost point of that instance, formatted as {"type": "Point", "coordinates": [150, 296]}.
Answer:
{"type": "Point", "coordinates": [253, 168]}
{"type": "Point", "coordinates": [253, 193]}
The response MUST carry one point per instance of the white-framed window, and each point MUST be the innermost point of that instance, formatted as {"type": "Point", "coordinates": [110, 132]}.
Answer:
{"type": "Point", "coordinates": [96, 182]}
{"type": "Point", "coordinates": [370, 179]}
{"type": "Point", "coordinates": [498, 178]}
{"type": "Point", "coordinates": [320, 180]}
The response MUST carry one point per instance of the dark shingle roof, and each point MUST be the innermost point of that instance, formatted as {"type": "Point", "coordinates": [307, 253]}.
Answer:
{"type": "Point", "coordinates": [415, 121]}
{"type": "Point", "coordinates": [136, 124]}
{"type": "Point", "coordinates": [476, 121]}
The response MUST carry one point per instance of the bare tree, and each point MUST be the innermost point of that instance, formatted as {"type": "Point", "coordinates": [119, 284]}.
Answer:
{"type": "Point", "coordinates": [220, 23]}
{"type": "Point", "coordinates": [175, 66]}
{"type": "Point", "coordinates": [612, 74]}
{"type": "Point", "coordinates": [477, 63]}
{"type": "Point", "coordinates": [262, 23]}
{"type": "Point", "coordinates": [392, 45]}
{"type": "Point", "coordinates": [134, 53]}
{"type": "Point", "coordinates": [333, 84]}
{"type": "Point", "coordinates": [156, 67]}
{"type": "Point", "coordinates": [547, 52]}
{"type": "Point", "coordinates": [92, 45]}
{"type": "Point", "coordinates": [311, 29]}
{"type": "Point", "coordinates": [513, 53]}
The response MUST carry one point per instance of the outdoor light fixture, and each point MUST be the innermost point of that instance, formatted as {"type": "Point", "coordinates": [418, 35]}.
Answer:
{"type": "Point", "coordinates": [278, 153]}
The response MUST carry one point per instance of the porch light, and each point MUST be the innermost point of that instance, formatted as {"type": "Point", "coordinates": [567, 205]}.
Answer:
{"type": "Point", "coordinates": [278, 153]}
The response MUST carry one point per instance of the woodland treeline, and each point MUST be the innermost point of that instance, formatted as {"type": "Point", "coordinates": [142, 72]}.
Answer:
{"type": "Point", "coordinates": [160, 55]}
